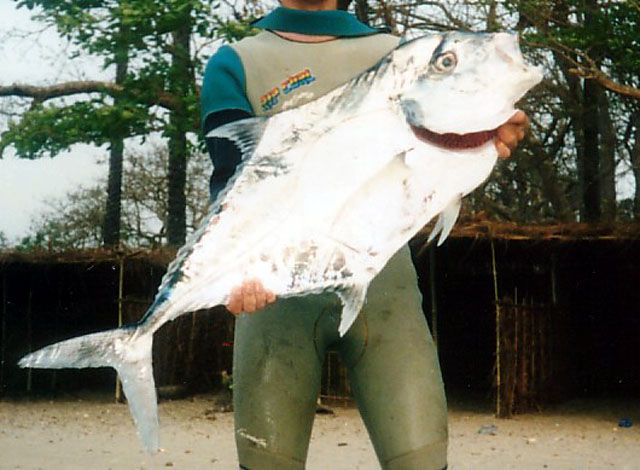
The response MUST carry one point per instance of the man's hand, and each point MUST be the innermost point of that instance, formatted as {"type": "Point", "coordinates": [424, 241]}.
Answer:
{"type": "Point", "coordinates": [511, 133]}
{"type": "Point", "coordinates": [249, 297]}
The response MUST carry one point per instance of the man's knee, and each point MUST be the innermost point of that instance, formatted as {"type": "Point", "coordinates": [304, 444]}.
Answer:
{"type": "Point", "coordinates": [429, 457]}
{"type": "Point", "coordinates": [254, 458]}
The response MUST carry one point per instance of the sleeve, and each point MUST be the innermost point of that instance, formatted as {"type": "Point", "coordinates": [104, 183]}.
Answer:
{"type": "Point", "coordinates": [223, 100]}
{"type": "Point", "coordinates": [223, 85]}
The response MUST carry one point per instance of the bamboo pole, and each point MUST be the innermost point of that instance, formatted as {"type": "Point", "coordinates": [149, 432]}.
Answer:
{"type": "Point", "coordinates": [56, 320]}
{"type": "Point", "coordinates": [329, 363]}
{"type": "Point", "coordinates": [525, 363]}
{"type": "Point", "coordinates": [118, 393]}
{"type": "Point", "coordinates": [515, 362]}
{"type": "Point", "coordinates": [495, 296]}
{"type": "Point", "coordinates": [534, 356]}
{"type": "Point", "coordinates": [552, 324]}
{"type": "Point", "coordinates": [191, 351]}
{"type": "Point", "coordinates": [554, 295]}
{"type": "Point", "coordinates": [3, 346]}
{"type": "Point", "coordinates": [29, 335]}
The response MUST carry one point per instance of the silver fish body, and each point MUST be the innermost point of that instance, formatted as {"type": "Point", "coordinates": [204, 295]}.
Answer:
{"type": "Point", "coordinates": [326, 193]}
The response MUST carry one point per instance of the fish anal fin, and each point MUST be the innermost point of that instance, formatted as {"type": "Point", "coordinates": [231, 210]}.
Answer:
{"type": "Point", "coordinates": [449, 215]}
{"type": "Point", "coordinates": [446, 220]}
{"type": "Point", "coordinates": [437, 228]}
{"type": "Point", "coordinates": [353, 299]}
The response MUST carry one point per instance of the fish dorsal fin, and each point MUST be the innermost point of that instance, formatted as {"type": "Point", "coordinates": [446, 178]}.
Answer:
{"type": "Point", "coordinates": [446, 221]}
{"type": "Point", "coordinates": [245, 134]}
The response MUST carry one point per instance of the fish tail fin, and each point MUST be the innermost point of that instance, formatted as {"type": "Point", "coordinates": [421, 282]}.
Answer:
{"type": "Point", "coordinates": [129, 353]}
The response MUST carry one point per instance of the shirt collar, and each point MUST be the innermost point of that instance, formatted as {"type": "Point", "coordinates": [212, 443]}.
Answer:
{"type": "Point", "coordinates": [323, 22]}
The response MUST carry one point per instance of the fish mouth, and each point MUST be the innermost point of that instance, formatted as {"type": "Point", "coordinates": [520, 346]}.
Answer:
{"type": "Point", "coordinates": [454, 141]}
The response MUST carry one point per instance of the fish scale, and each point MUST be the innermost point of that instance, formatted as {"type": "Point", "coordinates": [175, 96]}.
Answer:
{"type": "Point", "coordinates": [326, 193]}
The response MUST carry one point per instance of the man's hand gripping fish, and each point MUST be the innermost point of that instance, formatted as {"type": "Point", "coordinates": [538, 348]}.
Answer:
{"type": "Point", "coordinates": [326, 193]}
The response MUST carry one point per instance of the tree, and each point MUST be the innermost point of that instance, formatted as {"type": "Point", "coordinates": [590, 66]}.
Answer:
{"type": "Point", "coordinates": [584, 115]}
{"type": "Point", "coordinates": [595, 44]}
{"type": "Point", "coordinates": [148, 43]}
{"type": "Point", "coordinates": [4, 242]}
{"type": "Point", "coordinates": [112, 223]}
{"type": "Point", "coordinates": [75, 221]}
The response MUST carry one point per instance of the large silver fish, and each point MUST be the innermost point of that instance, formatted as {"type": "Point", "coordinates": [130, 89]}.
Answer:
{"type": "Point", "coordinates": [328, 192]}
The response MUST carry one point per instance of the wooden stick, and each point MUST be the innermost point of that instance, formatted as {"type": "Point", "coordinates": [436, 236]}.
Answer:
{"type": "Point", "coordinates": [516, 353]}
{"type": "Point", "coordinates": [554, 296]}
{"type": "Point", "coordinates": [495, 296]}
{"type": "Point", "coordinates": [534, 353]}
{"type": "Point", "coordinates": [29, 345]}
{"type": "Point", "coordinates": [3, 346]}
{"type": "Point", "coordinates": [526, 349]}
{"type": "Point", "coordinates": [118, 395]}
{"type": "Point", "coordinates": [191, 347]}
{"type": "Point", "coordinates": [434, 300]}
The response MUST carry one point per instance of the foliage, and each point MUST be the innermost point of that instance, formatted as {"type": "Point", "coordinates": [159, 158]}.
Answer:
{"type": "Point", "coordinates": [46, 130]}
{"type": "Point", "coordinates": [599, 38]}
{"type": "Point", "coordinates": [581, 140]}
{"type": "Point", "coordinates": [75, 221]}
{"type": "Point", "coordinates": [578, 42]}
{"type": "Point", "coordinates": [4, 242]}
{"type": "Point", "coordinates": [142, 31]}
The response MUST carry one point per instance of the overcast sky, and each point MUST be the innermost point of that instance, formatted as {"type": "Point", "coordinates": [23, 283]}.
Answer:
{"type": "Point", "coordinates": [25, 185]}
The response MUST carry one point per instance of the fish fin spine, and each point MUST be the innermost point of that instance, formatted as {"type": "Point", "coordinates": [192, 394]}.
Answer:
{"type": "Point", "coordinates": [245, 134]}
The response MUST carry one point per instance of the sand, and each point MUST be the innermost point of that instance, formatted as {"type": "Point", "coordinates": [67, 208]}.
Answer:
{"type": "Point", "coordinates": [92, 432]}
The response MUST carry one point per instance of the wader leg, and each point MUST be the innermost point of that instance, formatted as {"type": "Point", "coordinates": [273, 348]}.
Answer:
{"type": "Point", "coordinates": [396, 380]}
{"type": "Point", "coordinates": [276, 375]}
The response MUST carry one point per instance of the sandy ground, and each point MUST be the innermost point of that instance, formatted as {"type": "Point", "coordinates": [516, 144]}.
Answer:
{"type": "Point", "coordinates": [95, 433]}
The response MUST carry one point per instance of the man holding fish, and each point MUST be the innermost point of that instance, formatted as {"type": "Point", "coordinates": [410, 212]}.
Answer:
{"type": "Point", "coordinates": [308, 48]}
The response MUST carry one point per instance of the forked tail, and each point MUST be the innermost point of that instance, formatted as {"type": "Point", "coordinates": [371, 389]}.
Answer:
{"type": "Point", "coordinates": [129, 353]}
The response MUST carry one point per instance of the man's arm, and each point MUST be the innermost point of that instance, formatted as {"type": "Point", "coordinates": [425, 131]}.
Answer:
{"type": "Point", "coordinates": [251, 295]}
{"type": "Point", "coordinates": [223, 100]}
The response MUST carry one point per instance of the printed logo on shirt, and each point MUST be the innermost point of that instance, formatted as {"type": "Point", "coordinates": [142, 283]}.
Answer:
{"type": "Point", "coordinates": [296, 81]}
{"type": "Point", "coordinates": [270, 99]}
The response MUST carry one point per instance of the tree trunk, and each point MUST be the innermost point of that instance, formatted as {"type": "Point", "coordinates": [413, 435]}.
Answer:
{"type": "Point", "coordinates": [607, 157]}
{"type": "Point", "coordinates": [362, 11]}
{"type": "Point", "coordinates": [635, 164]}
{"type": "Point", "coordinates": [591, 157]}
{"type": "Point", "coordinates": [113, 210]}
{"type": "Point", "coordinates": [181, 78]}
{"type": "Point", "coordinates": [554, 190]}
{"type": "Point", "coordinates": [573, 105]}
{"type": "Point", "coordinates": [492, 17]}
{"type": "Point", "coordinates": [112, 216]}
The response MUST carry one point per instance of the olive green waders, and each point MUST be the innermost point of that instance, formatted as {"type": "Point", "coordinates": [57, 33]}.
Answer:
{"type": "Point", "coordinates": [393, 372]}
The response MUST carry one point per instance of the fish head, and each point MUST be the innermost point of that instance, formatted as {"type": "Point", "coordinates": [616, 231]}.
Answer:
{"type": "Point", "coordinates": [468, 85]}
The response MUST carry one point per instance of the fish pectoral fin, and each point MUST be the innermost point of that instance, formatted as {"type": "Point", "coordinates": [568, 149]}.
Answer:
{"type": "Point", "coordinates": [245, 134]}
{"type": "Point", "coordinates": [446, 220]}
{"type": "Point", "coordinates": [353, 298]}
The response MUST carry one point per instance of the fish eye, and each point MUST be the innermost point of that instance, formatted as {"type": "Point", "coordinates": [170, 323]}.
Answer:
{"type": "Point", "coordinates": [445, 62]}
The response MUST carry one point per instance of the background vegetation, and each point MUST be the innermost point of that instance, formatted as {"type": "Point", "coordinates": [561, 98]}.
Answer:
{"type": "Point", "coordinates": [580, 162]}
